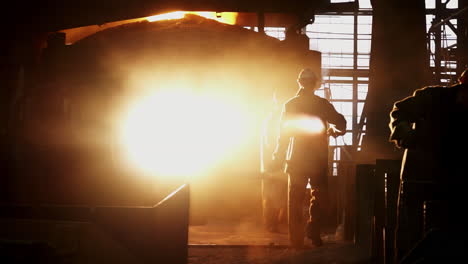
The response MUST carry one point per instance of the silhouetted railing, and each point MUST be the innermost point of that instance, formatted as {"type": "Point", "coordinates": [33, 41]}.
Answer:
{"type": "Point", "coordinates": [80, 234]}
{"type": "Point", "coordinates": [376, 207]}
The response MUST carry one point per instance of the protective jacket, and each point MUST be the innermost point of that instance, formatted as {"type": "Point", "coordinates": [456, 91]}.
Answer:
{"type": "Point", "coordinates": [306, 151]}
{"type": "Point", "coordinates": [427, 125]}
{"type": "Point", "coordinates": [430, 126]}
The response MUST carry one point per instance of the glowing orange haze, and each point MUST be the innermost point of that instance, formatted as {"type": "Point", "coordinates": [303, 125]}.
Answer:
{"type": "Point", "coordinates": [75, 34]}
{"type": "Point", "coordinates": [224, 17]}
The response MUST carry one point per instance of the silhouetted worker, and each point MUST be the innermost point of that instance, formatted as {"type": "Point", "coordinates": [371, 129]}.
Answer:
{"type": "Point", "coordinates": [303, 147]}
{"type": "Point", "coordinates": [428, 125]}
{"type": "Point", "coordinates": [274, 185]}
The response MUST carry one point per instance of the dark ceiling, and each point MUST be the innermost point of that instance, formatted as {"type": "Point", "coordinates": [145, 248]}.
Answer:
{"type": "Point", "coordinates": [53, 15]}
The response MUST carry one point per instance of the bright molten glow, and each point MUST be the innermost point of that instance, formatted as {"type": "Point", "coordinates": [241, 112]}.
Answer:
{"type": "Point", "coordinates": [309, 125]}
{"type": "Point", "coordinates": [181, 134]}
{"type": "Point", "coordinates": [223, 17]}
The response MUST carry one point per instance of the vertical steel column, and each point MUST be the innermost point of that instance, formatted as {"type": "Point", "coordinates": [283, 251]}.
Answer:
{"type": "Point", "coordinates": [365, 199]}
{"type": "Point", "coordinates": [355, 141]}
{"type": "Point", "coordinates": [462, 37]}
{"type": "Point", "coordinates": [437, 41]}
{"type": "Point", "coordinates": [398, 66]}
{"type": "Point", "coordinates": [261, 22]}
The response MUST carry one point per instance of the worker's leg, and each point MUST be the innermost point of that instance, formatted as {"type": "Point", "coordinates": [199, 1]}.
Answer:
{"type": "Point", "coordinates": [316, 214]}
{"type": "Point", "coordinates": [318, 203]}
{"type": "Point", "coordinates": [272, 192]}
{"type": "Point", "coordinates": [410, 217]}
{"type": "Point", "coordinates": [296, 193]}
{"type": "Point", "coordinates": [268, 210]}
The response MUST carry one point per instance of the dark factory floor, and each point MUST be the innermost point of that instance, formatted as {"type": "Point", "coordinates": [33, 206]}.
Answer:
{"type": "Point", "coordinates": [247, 242]}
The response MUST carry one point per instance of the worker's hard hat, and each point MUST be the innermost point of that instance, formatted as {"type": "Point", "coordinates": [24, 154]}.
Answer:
{"type": "Point", "coordinates": [463, 77]}
{"type": "Point", "coordinates": [307, 74]}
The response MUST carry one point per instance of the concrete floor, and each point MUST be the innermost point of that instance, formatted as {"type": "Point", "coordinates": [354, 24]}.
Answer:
{"type": "Point", "coordinates": [247, 242]}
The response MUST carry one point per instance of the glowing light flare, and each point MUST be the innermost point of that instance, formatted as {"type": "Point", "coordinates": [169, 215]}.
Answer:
{"type": "Point", "coordinates": [305, 124]}
{"type": "Point", "coordinates": [181, 134]}
{"type": "Point", "coordinates": [223, 17]}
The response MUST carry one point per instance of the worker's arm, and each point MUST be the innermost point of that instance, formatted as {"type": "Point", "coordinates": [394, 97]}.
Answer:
{"type": "Point", "coordinates": [336, 119]}
{"type": "Point", "coordinates": [403, 115]}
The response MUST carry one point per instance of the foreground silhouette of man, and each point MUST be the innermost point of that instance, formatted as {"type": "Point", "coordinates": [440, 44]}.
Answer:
{"type": "Point", "coordinates": [430, 126]}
